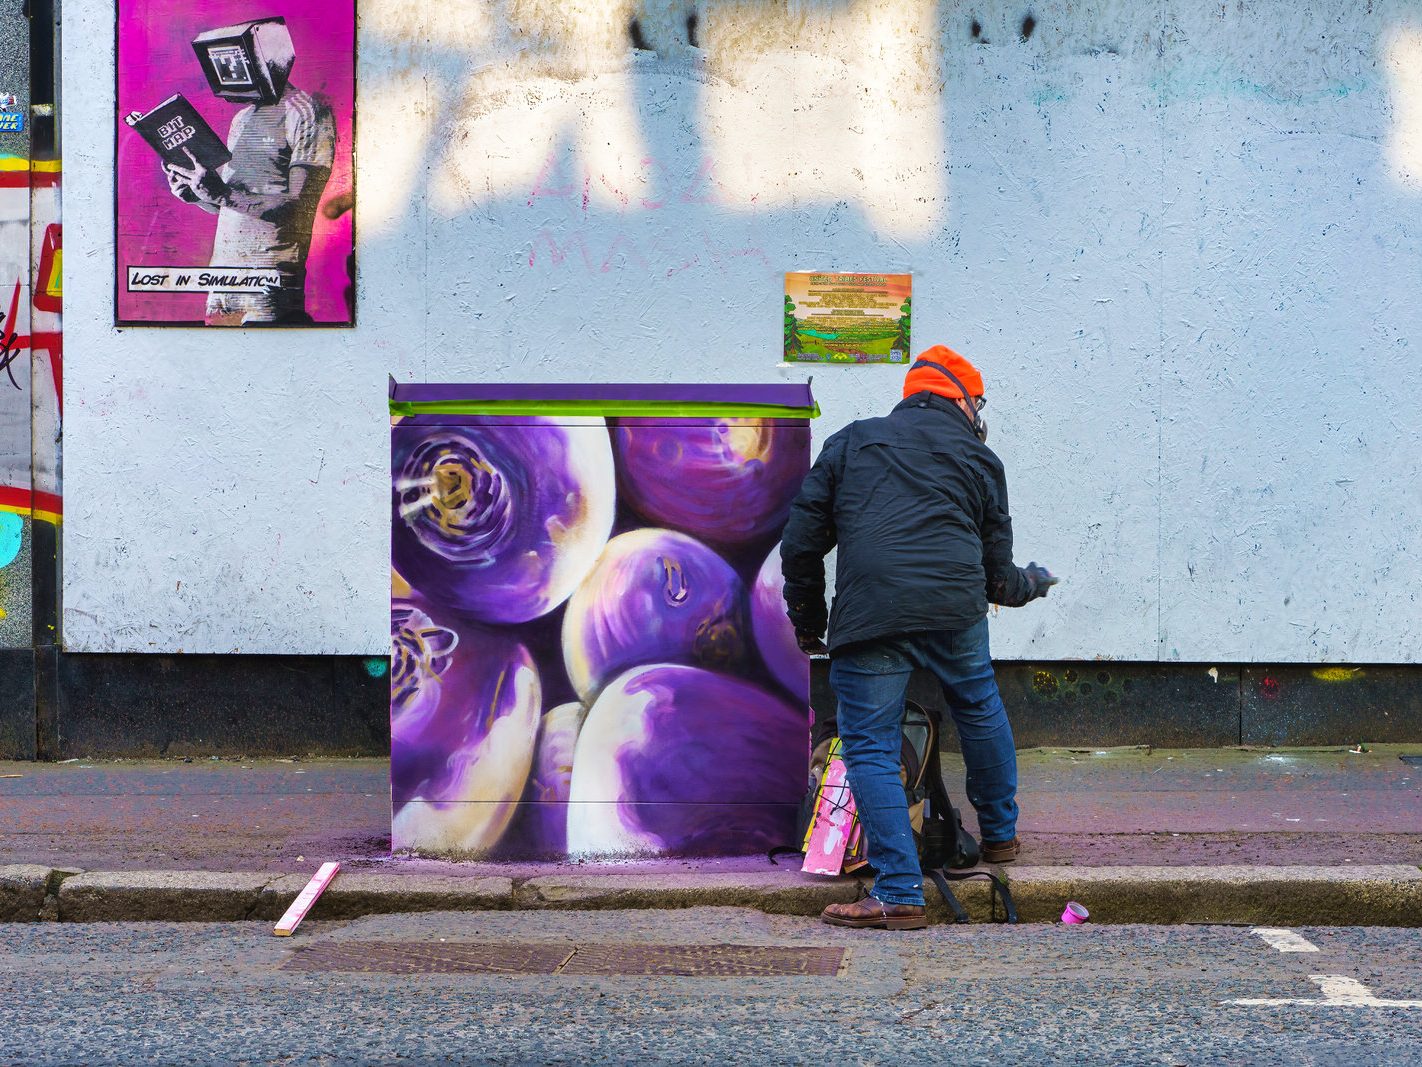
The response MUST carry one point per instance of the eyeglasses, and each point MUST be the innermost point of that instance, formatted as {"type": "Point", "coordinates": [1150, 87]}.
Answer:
{"type": "Point", "coordinates": [979, 402]}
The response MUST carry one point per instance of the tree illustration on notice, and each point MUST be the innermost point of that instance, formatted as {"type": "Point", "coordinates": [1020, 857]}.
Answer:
{"type": "Point", "coordinates": [793, 345]}
{"type": "Point", "coordinates": [901, 339]}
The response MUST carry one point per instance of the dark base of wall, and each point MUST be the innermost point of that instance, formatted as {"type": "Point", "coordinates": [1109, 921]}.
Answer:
{"type": "Point", "coordinates": [148, 705]}
{"type": "Point", "coordinates": [18, 730]}
{"type": "Point", "coordinates": [1181, 705]}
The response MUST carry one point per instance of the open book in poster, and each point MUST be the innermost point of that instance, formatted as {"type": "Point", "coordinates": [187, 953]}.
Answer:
{"type": "Point", "coordinates": [174, 128]}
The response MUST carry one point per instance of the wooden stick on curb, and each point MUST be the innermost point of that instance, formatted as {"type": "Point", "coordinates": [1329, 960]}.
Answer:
{"type": "Point", "coordinates": [305, 899]}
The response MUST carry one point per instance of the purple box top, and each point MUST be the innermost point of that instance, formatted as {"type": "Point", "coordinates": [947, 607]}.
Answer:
{"type": "Point", "coordinates": [780, 394]}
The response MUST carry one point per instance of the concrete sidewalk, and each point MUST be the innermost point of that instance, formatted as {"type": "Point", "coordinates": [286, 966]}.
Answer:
{"type": "Point", "coordinates": [1166, 836]}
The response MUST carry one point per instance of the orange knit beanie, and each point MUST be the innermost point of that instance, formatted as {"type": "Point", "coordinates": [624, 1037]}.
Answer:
{"type": "Point", "coordinates": [932, 380]}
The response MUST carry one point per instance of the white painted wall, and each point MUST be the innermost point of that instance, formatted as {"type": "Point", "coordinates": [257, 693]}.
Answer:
{"type": "Point", "coordinates": [1181, 239]}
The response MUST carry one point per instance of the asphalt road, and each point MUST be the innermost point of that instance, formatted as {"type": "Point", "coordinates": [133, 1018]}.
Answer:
{"type": "Point", "coordinates": [196, 993]}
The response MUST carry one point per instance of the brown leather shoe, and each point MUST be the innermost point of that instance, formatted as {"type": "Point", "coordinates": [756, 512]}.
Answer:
{"type": "Point", "coordinates": [1000, 851]}
{"type": "Point", "coordinates": [871, 912]}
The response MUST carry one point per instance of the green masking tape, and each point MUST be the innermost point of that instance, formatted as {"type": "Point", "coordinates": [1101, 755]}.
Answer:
{"type": "Point", "coordinates": [627, 409]}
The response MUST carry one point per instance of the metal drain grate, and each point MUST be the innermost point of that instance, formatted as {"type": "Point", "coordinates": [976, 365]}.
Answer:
{"type": "Point", "coordinates": [691, 961]}
{"type": "Point", "coordinates": [704, 961]}
{"type": "Point", "coordinates": [412, 957]}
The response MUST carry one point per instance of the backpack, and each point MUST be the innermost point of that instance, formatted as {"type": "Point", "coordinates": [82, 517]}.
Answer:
{"type": "Point", "coordinates": [945, 848]}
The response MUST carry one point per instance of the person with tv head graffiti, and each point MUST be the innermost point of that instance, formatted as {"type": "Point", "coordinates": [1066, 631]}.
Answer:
{"type": "Point", "coordinates": [283, 144]}
{"type": "Point", "coordinates": [916, 503]}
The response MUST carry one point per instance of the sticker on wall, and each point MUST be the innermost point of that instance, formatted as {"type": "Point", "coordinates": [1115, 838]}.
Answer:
{"type": "Point", "coordinates": [847, 318]}
{"type": "Point", "coordinates": [12, 115]}
{"type": "Point", "coordinates": [235, 176]}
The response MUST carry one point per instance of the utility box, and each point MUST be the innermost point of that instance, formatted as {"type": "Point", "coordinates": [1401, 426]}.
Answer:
{"type": "Point", "coordinates": [590, 653]}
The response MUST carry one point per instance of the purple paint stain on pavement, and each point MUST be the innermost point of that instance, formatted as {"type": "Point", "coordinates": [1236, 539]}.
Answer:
{"type": "Point", "coordinates": [1080, 808]}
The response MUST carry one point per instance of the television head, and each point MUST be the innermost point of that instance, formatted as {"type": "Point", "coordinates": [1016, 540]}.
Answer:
{"type": "Point", "coordinates": [249, 62]}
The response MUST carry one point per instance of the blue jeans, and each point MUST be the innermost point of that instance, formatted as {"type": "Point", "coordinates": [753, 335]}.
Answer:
{"type": "Point", "coordinates": [870, 681]}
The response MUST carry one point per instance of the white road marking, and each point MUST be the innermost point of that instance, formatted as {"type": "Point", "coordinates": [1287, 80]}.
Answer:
{"type": "Point", "coordinates": [1339, 991]}
{"type": "Point", "coordinates": [1284, 940]}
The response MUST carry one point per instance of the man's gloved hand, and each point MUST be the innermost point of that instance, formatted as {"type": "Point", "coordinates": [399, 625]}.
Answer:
{"type": "Point", "coordinates": [810, 644]}
{"type": "Point", "coordinates": [1042, 579]}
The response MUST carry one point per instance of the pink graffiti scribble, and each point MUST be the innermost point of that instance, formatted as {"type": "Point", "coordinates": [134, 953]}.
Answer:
{"type": "Point", "coordinates": [540, 183]}
{"type": "Point", "coordinates": [698, 188]}
{"type": "Point", "coordinates": [654, 255]}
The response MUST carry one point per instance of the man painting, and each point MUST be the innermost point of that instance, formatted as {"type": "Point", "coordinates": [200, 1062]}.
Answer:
{"type": "Point", "coordinates": [917, 504]}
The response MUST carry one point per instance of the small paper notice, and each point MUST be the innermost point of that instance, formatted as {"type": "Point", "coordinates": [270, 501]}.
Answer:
{"type": "Point", "coordinates": [847, 318]}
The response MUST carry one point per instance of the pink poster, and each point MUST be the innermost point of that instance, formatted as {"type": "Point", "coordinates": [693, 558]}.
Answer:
{"type": "Point", "coordinates": [836, 824]}
{"type": "Point", "coordinates": [235, 183]}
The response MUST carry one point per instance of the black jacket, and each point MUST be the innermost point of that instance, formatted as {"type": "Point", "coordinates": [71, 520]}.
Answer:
{"type": "Point", "coordinates": [918, 507]}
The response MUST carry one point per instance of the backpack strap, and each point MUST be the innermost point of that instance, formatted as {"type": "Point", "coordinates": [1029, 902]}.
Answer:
{"type": "Point", "coordinates": [941, 878]}
{"type": "Point", "coordinates": [960, 914]}
{"type": "Point", "coordinates": [937, 790]}
{"type": "Point", "coordinates": [957, 841]}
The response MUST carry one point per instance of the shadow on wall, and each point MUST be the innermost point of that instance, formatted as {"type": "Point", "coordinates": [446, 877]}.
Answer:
{"type": "Point", "coordinates": [595, 114]}
{"type": "Point", "coordinates": [625, 107]}
{"type": "Point", "coordinates": [632, 177]}
{"type": "Point", "coordinates": [673, 141]}
{"type": "Point", "coordinates": [501, 87]}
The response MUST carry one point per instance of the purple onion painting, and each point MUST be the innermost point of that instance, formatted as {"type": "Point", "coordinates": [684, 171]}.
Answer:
{"type": "Point", "coordinates": [678, 760]}
{"type": "Point", "coordinates": [655, 596]}
{"type": "Point", "coordinates": [501, 522]}
{"type": "Point", "coordinates": [774, 634]}
{"type": "Point", "coordinates": [727, 481]}
{"type": "Point", "coordinates": [464, 708]}
{"type": "Point", "coordinates": [590, 655]}
{"type": "Point", "coordinates": [552, 780]}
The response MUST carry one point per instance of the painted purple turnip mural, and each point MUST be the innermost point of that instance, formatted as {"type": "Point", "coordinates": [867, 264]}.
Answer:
{"type": "Point", "coordinates": [774, 635]}
{"type": "Point", "coordinates": [464, 711]}
{"type": "Point", "coordinates": [589, 653]}
{"type": "Point", "coordinates": [549, 788]}
{"type": "Point", "coordinates": [501, 522]}
{"type": "Point", "coordinates": [727, 481]}
{"type": "Point", "coordinates": [655, 596]}
{"type": "Point", "coordinates": [679, 760]}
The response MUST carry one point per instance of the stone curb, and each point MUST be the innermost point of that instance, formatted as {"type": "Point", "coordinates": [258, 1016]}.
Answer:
{"type": "Point", "coordinates": [783, 892]}
{"type": "Point", "coordinates": [172, 896]}
{"type": "Point", "coordinates": [1382, 895]}
{"type": "Point", "coordinates": [23, 888]}
{"type": "Point", "coordinates": [358, 893]}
